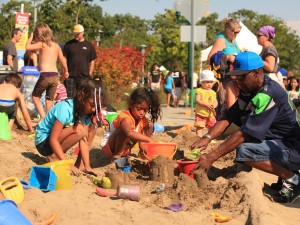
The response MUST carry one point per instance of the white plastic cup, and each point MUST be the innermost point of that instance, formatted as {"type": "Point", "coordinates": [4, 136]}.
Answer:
{"type": "Point", "coordinates": [158, 128]}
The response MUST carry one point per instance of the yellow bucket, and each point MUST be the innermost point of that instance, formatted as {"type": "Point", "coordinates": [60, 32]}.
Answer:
{"type": "Point", "coordinates": [62, 170]}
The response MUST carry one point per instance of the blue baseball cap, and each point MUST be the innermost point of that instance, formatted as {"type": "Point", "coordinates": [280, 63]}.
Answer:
{"type": "Point", "coordinates": [246, 62]}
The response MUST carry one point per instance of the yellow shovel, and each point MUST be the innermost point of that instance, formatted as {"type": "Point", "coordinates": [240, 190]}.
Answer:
{"type": "Point", "coordinates": [12, 189]}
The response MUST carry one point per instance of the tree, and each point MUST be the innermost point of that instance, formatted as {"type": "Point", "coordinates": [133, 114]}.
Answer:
{"type": "Point", "coordinates": [119, 67]}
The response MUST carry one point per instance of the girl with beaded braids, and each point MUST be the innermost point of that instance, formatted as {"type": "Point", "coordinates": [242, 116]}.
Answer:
{"type": "Point", "coordinates": [132, 125]}
{"type": "Point", "coordinates": [70, 122]}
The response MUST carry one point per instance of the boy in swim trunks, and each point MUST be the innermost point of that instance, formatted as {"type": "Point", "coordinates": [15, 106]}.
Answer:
{"type": "Point", "coordinates": [10, 95]}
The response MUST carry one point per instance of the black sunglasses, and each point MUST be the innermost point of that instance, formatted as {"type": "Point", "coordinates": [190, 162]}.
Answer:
{"type": "Point", "coordinates": [259, 35]}
{"type": "Point", "coordinates": [242, 77]}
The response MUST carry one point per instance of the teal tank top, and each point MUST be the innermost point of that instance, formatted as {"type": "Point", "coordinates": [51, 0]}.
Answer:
{"type": "Point", "coordinates": [230, 49]}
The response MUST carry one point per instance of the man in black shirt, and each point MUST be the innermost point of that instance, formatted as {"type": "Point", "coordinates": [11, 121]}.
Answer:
{"type": "Point", "coordinates": [80, 55]}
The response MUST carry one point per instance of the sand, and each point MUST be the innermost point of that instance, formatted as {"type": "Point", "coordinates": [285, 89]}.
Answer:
{"type": "Point", "coordinates": [229, 191]}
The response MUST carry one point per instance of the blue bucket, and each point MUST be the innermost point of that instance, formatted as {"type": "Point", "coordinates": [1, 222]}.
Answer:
{"type": "Point", "coordinates": [10, 214]}
{"type": "Point", "coordinates": [123, 164]}
{"type": "Point", "coordinates": [43, 178]}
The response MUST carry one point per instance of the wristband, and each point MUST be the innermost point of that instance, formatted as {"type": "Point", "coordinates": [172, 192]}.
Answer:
{"type": "Point", "coordinates": [207, 136]}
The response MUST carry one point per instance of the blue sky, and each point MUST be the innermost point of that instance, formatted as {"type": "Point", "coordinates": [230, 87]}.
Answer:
{"type": "Point", "coordinates": [288, 10]}
{"type": "Point", "coordinates": [285, 9]}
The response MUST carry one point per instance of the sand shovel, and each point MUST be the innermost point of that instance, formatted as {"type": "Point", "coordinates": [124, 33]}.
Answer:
{"type": "Point", "coordinates": [12, 189]}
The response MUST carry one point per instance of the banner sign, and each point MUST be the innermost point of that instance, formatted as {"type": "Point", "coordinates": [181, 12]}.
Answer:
{"type": "Point", "coordinates": [22, 22]}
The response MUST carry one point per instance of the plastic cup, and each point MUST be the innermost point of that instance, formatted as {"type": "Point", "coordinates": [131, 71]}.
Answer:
{"type": "Point", "coordinates": [111, 116]}
{"type": "Point", "coordinates": [129, 192]}
{"type": "Point", "coordinates": [158, 128]}
{"type": "Point", "coordinates": [4, 127]}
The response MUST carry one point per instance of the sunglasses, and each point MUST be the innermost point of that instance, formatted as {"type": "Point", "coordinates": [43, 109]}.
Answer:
{"type": "Point", "coordinates": [242, 77]}
{"type": "Point", "coordinates": [236, 32]}
{"type": "Point", "coordinates": [259, 35]}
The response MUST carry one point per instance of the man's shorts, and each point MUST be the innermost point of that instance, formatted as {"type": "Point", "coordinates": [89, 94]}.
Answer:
{"type": "Point", "coordinates": [72, 84]}
{"type": "Point", "coordinates": [48, 82]}
{"type": "Point", "coordinates": [202, 122]}
{"type": "Point", "coordinates": [267, 150]}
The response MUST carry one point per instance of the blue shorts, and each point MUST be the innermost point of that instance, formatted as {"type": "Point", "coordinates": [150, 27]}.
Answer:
{"type": "Point", "coordinates": [267, 150]}
{"type": "Point", "coordinates": [44, 148]}
{"type": "Point", "coordinates": [168, 91]}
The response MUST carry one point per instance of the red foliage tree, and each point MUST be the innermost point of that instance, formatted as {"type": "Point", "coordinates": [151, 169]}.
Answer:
{"type": "Point", "coordinates": [119, 68]}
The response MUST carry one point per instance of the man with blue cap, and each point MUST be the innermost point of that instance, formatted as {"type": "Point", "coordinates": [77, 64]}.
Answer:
{"type": "Point", "coordinates": [269, 135]}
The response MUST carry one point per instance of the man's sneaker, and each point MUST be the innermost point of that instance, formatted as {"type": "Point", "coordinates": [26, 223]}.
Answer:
{"type": "Point", "coordinates": [278, 185]}
{"type": "Point", "coordinates": [288, 193]}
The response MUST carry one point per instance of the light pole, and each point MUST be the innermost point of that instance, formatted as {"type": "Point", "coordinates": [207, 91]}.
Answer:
{"type": "Point", "coordinates": [97, 38]}
{"type": "Point", "coordinates": [192, 10]}
{"type": "Point", "coordinates": [143, 48]}
{"type": "Point", "coordinates": [35, 11]}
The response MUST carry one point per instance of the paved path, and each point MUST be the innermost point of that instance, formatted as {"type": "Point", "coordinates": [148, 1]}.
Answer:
{"type": "Point", "coordinates": [177, 116]}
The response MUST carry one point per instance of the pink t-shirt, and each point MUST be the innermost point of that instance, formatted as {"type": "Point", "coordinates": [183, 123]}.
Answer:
{"type": "Point", "coordinates": [61, 93]}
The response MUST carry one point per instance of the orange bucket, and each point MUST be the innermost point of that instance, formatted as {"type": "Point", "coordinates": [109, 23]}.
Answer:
{"type": "Point", "coordinates": [160, 149]}
{"type": "Point", "coordinates": [185, 166]}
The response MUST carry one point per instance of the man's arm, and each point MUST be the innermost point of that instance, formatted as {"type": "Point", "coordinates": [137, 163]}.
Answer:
{"type": "Point", "coordinates": [92, 64]}
{"type": "Point", "coordinates": [63, 62]}
{"type": "Point", "coordinates": [206, 161]}
{"type": "Point", "coordinates": [10, 60]}
{"type": "Point", "coordinates": [215, 132]}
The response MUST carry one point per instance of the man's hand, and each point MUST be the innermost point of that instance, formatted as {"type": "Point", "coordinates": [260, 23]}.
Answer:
{"type": "Point", "coordinates": [201, 144]}
{"type": "Point", "coordinates": [205, 162]}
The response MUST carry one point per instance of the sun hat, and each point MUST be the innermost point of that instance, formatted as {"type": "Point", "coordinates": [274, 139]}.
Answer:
{"type": "Point", "coordinates": [78, 29]}
{"type": "Point", "coordinates": [246, 62]}
{"type": "Point", "coordinates": [207, 75]}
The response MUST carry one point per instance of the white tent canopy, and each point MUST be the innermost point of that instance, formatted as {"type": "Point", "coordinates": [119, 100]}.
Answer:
{"type": "Point", "coordinates": [246, 41]}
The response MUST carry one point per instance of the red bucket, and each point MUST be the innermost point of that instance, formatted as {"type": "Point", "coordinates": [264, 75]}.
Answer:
{"type": "Point", "coordinates": [185, 166]}
{"type": "Point", "coordinates": [160, 149]}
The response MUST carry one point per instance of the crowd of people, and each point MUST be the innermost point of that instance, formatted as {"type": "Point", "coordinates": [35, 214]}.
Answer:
{"type": "Point", "coordinates": [252, 92]}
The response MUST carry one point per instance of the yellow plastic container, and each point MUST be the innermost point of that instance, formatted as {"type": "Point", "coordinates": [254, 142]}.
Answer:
{"type": "Point", "coordinates": [62, 170]}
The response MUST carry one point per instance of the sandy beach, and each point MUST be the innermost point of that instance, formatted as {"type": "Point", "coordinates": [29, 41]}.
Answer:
{"type": "Point", "coordinates": [229, 191]}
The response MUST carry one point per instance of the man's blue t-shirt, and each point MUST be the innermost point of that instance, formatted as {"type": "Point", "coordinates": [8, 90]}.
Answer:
{"type": "Point", "coordinates": [62, 111]}
{"type": "Point", "coordinates": [268, 115]}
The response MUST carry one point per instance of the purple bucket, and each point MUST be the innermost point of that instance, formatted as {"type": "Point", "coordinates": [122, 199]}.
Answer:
{"type": "Point", "coordinates": [129, 192]}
